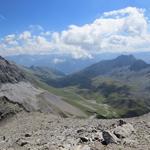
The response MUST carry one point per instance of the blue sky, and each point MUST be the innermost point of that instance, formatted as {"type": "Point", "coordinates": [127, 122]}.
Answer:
{"type": "Point", "coordinates": [56, 15]}
{"type": "Point", "coordinates": [79, 28]}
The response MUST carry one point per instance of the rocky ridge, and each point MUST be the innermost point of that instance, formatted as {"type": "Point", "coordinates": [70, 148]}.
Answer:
{"type": "Point", "coordinates": [9, 72]}
{"type": "Point", "coordinates": [17, 89]}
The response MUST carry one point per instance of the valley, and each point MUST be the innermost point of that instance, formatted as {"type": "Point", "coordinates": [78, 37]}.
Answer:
{"type": "Point", "coordinates": [100, 107]}
{"type": "Point", "coordinates": [109, 89]}
{"type": "Point", "coordinates": [74, 75]}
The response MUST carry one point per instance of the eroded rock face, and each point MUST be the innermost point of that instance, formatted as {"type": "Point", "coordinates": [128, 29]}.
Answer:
{"type": "Point", "coordinates": [9, 108]}
{"type": "Point", "coordinates": [9, 72]}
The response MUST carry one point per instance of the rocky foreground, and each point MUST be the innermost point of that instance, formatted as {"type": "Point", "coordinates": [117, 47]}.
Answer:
{"type": "Point", "coordinates": [39, 131]}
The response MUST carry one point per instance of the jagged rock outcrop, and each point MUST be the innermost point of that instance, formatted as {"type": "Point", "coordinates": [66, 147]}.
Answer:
{"type": "Point", "coordinates": [9, 108]}
{"type": "Point", "coordinates": [9, 72]}
{"type": "Point", "coordinates": [15, 86]}
{"type": "Point", "coordinates": [109, 138]}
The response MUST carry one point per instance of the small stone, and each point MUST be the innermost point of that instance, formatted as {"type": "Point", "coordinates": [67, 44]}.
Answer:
{"type": "Point", "coordinates": [121, 122]}
{"type": "Point", "coordinates": [83, 139]}
{"type": "Point", "coordinates": [80, 130]}
{"type": "Point", "coordinates": [4, 138]}
{"type": "Point", "coordinates": [66, 127]}
{"type": "Point", "coordinates": [94, 131]}
{"type": "Point", "coordinates": [99, 127]}
{"type": "Point", "coordinates": [22, 142]}
{"type": "Point", "coordinates": [97, 137]}
{"type": "Point", "coordinates": [27, 135]}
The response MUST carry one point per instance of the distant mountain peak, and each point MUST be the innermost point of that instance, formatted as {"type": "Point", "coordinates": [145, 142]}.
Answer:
{"type": "Point", "coordinates": [134, 64]}
{"type": "Point", "coordinates": [127, 57]}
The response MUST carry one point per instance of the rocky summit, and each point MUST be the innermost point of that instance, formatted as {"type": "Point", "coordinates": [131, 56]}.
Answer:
{"type": "Point", "coordinates": [38, 131]}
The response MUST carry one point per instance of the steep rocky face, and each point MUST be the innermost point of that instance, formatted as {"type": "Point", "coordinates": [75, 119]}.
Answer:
{"type": "Point", "coordinates": [16, 88]}
{"type": "Point", "coordinates": [9, 72]}
{"type": "Point", "coordinates": [9, 108]}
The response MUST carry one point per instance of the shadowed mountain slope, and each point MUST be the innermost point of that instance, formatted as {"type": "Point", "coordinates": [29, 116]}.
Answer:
{"type": "Point", "coordinates": [121, 83]}
{"type": "Point", "coordinates": [83, 78]}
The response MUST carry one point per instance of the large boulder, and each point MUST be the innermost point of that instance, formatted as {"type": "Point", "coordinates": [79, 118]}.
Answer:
{"type": "Point", "coordinates": [109, 138]}
{"type": "Point", "coordinates": [124, 131]}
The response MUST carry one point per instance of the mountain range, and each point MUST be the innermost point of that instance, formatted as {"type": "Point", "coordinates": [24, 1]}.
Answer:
{"type": "Point", "coordinates": [119, 85]}
{"type": "Point", "coordinates": [112, 88]}
{"type": "Point", "coordinates": [67, 64]}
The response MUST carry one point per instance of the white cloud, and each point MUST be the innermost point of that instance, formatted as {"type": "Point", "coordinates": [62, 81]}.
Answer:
{"type": "Point", "coordinates": [25, 35]}
{"type": "Point", "coordinates": [114, 31]}
{"type": "Point", "coordinates": [58, 60]}
{"type": "Point", "coordinates": [124, 30]}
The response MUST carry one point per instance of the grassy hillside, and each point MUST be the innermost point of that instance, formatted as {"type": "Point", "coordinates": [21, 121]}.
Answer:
{"type": "Point", "coordinates": [71, 96]}
{"type": "Point", "coordinates": [115, 88]}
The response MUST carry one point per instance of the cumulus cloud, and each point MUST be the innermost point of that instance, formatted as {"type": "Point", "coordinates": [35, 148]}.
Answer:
{"type": "Point", "coordinates": [124, 30]}
{"type": "Point", "coordinates": [58, 60]}
{"type": "Point", "coordinates": [25, 35]}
